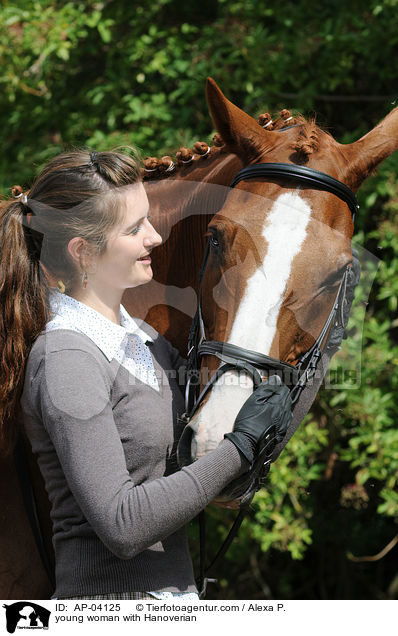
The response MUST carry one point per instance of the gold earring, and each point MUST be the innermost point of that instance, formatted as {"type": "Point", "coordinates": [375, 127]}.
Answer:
{"type": "Point", "coordinates": [84, 280]}
{"type": "Point", "coordinates": [61, 286]}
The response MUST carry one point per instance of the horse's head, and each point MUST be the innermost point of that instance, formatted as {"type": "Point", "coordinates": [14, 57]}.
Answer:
{"type": "Point", "coordinates": [278, 250]}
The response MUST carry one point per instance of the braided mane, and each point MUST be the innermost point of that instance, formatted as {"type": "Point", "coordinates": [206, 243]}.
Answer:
{"type": "Point", "coordinates": [187, 159]}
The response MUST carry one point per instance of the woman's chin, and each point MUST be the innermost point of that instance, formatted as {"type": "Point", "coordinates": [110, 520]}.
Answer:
{"type": "Point", "coordinates": [148, 272]}
{"type": "Point", "coordinates": [144, 277]}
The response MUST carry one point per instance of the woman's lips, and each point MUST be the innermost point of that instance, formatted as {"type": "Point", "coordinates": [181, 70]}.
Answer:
{"type": "Point", "coordinates": [145, 259]}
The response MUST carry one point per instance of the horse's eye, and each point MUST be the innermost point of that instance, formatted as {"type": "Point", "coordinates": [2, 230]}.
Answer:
{"type": "Point", "coordinates": [214, 242]}
{"type": "Point", "coordinates": [335, 278]}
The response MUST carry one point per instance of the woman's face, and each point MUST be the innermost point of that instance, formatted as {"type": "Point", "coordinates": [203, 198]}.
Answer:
{"type": "Point", "coordinates": [126, 261]}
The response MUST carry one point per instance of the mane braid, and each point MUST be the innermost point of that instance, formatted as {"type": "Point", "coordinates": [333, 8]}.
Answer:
{"type": "Point", "coordinates": [285, 119]}
{"type": "Point", "coordinates": [187, 159]}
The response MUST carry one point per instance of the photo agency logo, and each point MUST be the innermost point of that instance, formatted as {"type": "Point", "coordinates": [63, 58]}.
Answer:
{"type": "Point", "coordinates": [26, 615]}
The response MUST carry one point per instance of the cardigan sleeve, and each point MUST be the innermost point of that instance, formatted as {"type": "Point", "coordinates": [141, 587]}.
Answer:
{"type": "Point", "coordinates": [72, 400]}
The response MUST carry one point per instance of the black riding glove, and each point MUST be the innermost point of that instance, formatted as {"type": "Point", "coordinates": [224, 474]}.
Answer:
{"type": "Point", "coordinates": [263, 419]}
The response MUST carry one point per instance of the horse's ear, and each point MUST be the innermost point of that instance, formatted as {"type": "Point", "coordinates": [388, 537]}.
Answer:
{"type": "Point", "coordinates": [366, 153]}
{"type": "Point", "coordinates": [241, 134]}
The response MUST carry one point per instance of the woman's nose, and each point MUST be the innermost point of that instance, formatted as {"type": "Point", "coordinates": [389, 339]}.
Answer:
{"type": "Point", "coordinates": [152, 238]}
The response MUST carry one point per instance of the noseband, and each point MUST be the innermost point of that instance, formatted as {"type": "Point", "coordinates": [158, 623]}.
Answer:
{"type": "Point", "coordinates": [237, 358]}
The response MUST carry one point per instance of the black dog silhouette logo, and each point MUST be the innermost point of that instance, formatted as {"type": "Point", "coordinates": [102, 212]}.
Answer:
{"type": "Point", "coordinates": [26, 615]}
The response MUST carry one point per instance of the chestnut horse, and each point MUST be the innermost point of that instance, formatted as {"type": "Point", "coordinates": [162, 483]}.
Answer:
{"type": "Point", "coordinates": [293, 241]}
{"type": "Point", "coordinates": [278, 251]}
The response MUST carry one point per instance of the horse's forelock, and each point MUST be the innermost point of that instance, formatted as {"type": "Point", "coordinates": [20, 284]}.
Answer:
{"type": "Point", "coordinates": [308, 141]}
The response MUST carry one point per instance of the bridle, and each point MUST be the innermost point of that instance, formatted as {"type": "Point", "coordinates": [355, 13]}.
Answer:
{"type": "Point", "coordinates": [236, 358]}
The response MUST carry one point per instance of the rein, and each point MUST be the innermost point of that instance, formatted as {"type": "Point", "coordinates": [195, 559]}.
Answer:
{"type": "Point", "coordinates": [236, 358]}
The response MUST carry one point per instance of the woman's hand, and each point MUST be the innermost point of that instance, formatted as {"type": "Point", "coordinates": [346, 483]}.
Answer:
{"type": "Point", "coordinates": [267, 412]}
{"type": "Point", "coordinates": [261, 423]}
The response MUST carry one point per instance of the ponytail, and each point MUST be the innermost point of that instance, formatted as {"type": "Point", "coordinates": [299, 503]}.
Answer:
{"type": "Point", "coordinates": [24, 311]}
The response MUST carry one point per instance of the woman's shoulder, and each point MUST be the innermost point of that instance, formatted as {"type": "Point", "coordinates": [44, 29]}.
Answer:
{"type": "Point", "coordinates": [61, 344]}
{"type": "Point", "coordinates": [67, 355]}
{"type": "Point", "coordinates": [51, 341]}
{"type": "Point", "coordinates": [66, 371]}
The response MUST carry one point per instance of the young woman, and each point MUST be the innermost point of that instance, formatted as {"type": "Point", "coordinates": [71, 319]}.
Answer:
{"type": "Point", "coordinates": [99, 392]}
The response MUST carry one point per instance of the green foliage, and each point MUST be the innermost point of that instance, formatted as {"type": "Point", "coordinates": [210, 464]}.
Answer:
{"type": "Point", "coordinates": [112, 73]}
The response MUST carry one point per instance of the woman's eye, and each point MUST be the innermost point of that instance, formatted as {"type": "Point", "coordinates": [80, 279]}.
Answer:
{"type": "Point", "coordinates": [137, 228]}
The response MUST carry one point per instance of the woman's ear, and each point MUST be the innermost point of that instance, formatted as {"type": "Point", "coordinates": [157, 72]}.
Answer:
{"type": "Point", "coordinates": [79, 251]}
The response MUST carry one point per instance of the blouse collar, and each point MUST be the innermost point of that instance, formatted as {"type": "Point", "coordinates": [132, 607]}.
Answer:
{"type": "Point", "coordinates": [69, 313]}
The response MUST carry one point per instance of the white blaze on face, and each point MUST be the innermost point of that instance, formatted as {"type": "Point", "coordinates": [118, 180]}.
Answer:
{"type": "Point", "coordinates": [255, 323]}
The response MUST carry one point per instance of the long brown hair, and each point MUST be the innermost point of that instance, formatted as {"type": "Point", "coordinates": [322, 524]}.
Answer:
{"type": "Point", "coordinates": [74, 195]}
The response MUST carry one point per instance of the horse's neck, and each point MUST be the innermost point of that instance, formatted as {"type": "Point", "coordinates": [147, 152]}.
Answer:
{"type": "Point", "coordinates": [186, 192]}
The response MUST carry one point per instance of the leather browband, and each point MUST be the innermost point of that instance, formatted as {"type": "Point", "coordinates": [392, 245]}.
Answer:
{"type": "Point", "coordinates": [307, 176]}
